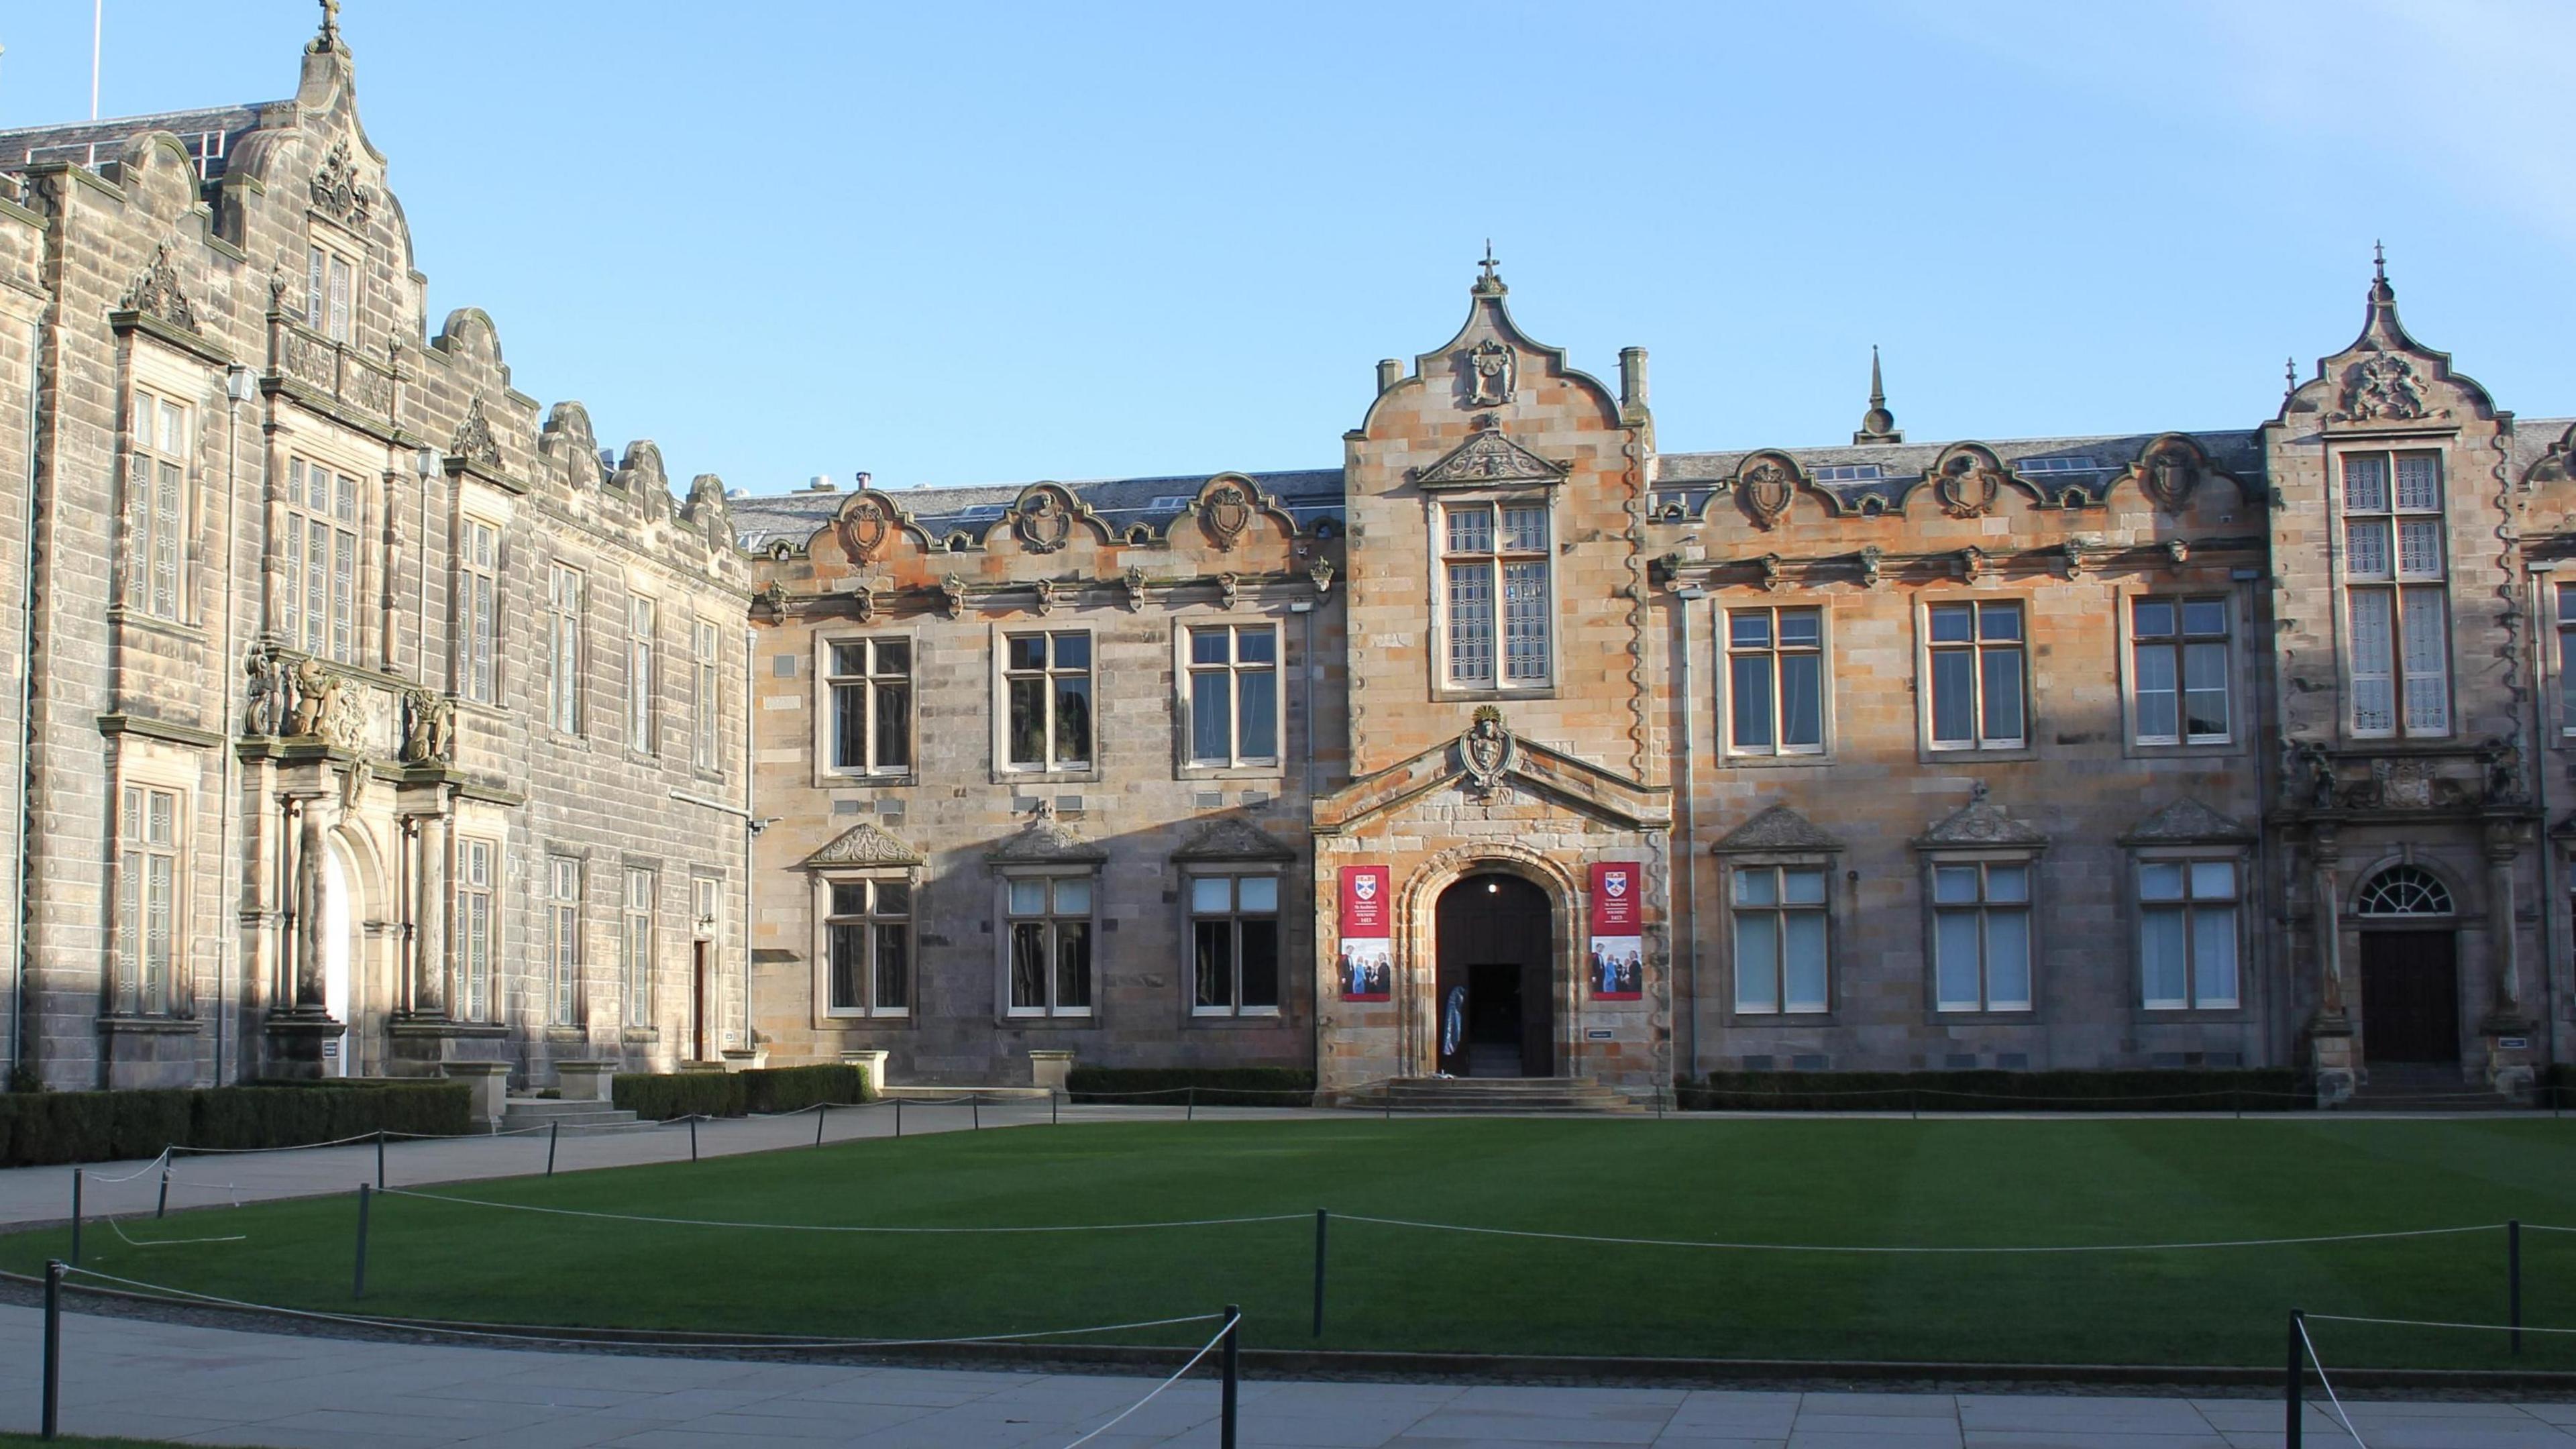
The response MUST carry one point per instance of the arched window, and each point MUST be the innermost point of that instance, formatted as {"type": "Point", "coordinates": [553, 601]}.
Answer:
{"type": "Point", "coordinates": [2405, 890]}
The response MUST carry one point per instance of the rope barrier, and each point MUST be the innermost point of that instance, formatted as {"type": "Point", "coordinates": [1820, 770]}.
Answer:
{"type": "Point", "coordinates": [1176, 1377]}
{"type": "Point", "coordinates": [2436, 1323]}
{"type": "Point", "coordinates": [118, 1229]}
{"type": "Point", "coordinates": [1900, 1248]}
{"type": "Point", "coordinates": [839, 1227]}
{"type": "Point", "coordinates": [2327, 1382]}
{"type": "Point", "coordinates": [288, 1147]}
{"type": "Point", "coordinates": [145, 1170]}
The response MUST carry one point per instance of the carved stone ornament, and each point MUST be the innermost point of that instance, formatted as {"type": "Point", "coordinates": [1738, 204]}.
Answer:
{"type": "Point", "coordinates": [2311, 781]}
{"type": "Point", "coordinates": [773, 600]}
{"type": "Point", "coordinates": [1769, 564]}
{"type": "Point", "coordinates": [1492, 370]}
{"type": "Point", "coordinates": [2401, 784]}
{"type": "Point", "coordinates": [1980, 822]}
{"type": "Point", "coordinates": [952, 596]}
{"type": "Point", "coordinates": [1045, 840]}
{"type": "Point", "coordinates": [429, 728]}
{"type": "Point", "coordinates": [864, 528]}
{"type": "Point", "coordinates": [337, 190]}
{"type": "Point", "coordinates": [269, 692]}
{"type": "Point", "coordinates": [1778, 829]}
{"type": "Point", "coordinates": [2177, 553]}
{"type": "Point", "coordinates": [156, 294]}
{"type": "Point", "coordinates": [1974, 566]}
{"type": "Point", "coordinates": [353, 785]}
{"type": "Point", "coordinates": [1050, 593]}
{"type": "Point", "coordinates": [864, 844]}
{"type": "Point", "coordinates": [1231, 837]}
{"type": "Point", "coordinates": [1042, 521]}
{"type": "Point", "coordinates": [1489, 457]}
{"type": "Point", "coordinates": [1968, 486]}
{"type": "Point", "coordinates": [1766, 490]}
{"type": "Point", "coordinates": [1226, 512]}
{"type": "Point", "coordinates": [863, 597]}
{"type": "Point", "coordinates": [2075, 556]}
{"type": "Point", "coordinates": [2500, 760]}
{"type": "Point", "coordinates": [2186, 822]}
{"type": "Point", "coordinates": [1871, 556]}
{"type": "Point", "coordinates": [1229, 587]}
{"type": "Point", "coordinates": [474, 441]}
{"type": "Point", "coordinates": [2382, 387]}
{"type": "Point", "coordinates": [2169, 474]}
{"type": "Point", "coordinates": [1487, 752]}
{"type": "Point", "coordinates": [1322, 574]}
{"type": "Point", "coordinates": [1134, 582]}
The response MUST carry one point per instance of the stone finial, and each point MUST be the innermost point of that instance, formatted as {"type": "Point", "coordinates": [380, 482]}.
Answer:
{"type": "Point", "coordinates": [1491, 283]}
{"type": "Point", "coordinates": [1878, 425]}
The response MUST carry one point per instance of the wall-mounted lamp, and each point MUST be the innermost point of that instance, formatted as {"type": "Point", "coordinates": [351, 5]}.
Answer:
{"type": "Point", "coordinates": [237, 383]}
{"type": "Point", "coordinates": [424, 461]}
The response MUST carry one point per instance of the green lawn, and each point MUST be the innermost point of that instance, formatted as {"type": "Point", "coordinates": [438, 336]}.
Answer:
{"type": "Point", "coordinates": [1812, 1180]}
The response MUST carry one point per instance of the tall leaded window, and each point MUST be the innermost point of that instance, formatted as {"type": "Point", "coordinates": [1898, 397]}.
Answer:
{"type": "Point", "coordinates": [868, 943]}
{"type": "Point", "coordinates": [1979, 699]}
{"type": "Point", "coordinates": [635, 947]}
{"type": "Point", "coordinates": [1780, 938]}
{"type": "Point", "coordinates": [564, 593]}
{"type": "Point", "coordinates": [643, 675]}
{"type": "Point", "coordinates": [1775, 681]}
{"type": "Point", "coordinates": [156, 506]}
{"type": "Point", "coordinates": [320, 590]}
{"type": "Point", "coordinates": [1981, 935]}
{"type": "Point", "coordinates": [478, 605]}
{"type": "Point", "coordinates": [871, 684]}
{"type": "Point", "coordinates": [330, 291]}
{"type": "Point", "coordinates": [563, 939]}
{"type": "Point", "coordinates": [2187, 933]}
{"type": "Point", "coordinates": [1047, 678]}
{"type": "Point", "coordinates": [1234, 934]}
{"type": "Point", "coordinates": [147, 900]}
{"type": "Point", "coordinates": [1494, 562]}
{"type": "Point", "coordinates": [706, 695]}
{"type": "Point", "coordinates": [2567, 659]}
{"type": "Point", "coordinates": [475, 924]}
{"type": "Point", "coordinates": [1233, 694]}
{"type": "Point", "coordinates": [2394, 570]}
{"type": "Point", "coordinates": [2179, 668]}
{"type": "Point", "coordinates": [1050, 942]}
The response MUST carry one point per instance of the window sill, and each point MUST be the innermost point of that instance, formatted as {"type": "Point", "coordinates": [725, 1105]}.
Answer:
{"type": "Point", "coordinates": [639, 1035]}
{"type": "Point", "coordinates": [1058, 1020]}
{"type": "Point", "coordinates": [2190, 1015]}
{"type": "Point", "coordinates": [1267, 770]}
{"type": "Point", "coordinates": [1454, 694]}
{"type": "Point", "coordinates": [2006, 1016]}
{"type": "Point", "coordinates": [1032, 775]}
{"type": "Point", "coordinates": [1936, 754]}
{"type": "Point", "coordinates": [1253, 1016]}
{"type": "Point", "coordinates": [1732, 760]}
{"type": "Point", "coordinates": [855, 780]}
{"type": "Point", "coordinates": [130, 618]}
{"type": "Point", "coordinates": [2212, 749]}
{"type": "Point", "coordinates": [854, 1020]}
{"type": "Point", "coordinates": [1783, 1020]}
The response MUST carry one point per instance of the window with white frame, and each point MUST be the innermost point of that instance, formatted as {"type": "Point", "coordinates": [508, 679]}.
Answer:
{"type": "Point", "coordinates": [156, 506]}
{"type": "Point", "coordinates": [706, 697]}
{"type": "Point", "coordinates": [1047, 681]}
{"type": "Point", "coordinates": [475, 924]}
{"type": "Point", "coordinates": [563, 939]}
{"type": "Point", "coordinates": [2567, 659]}
{"type": "Point", "coordinates": [1981, 935]}
{"type": "Point", "coordinates": [330, 291]}
{"type": "Point", "coordinates": [1234, 934]}
{"type": "Point", "coordinates": [319, 593]}
{"type": "Point", "coordinates": [147, 901]}
{"type": "Point", "coordinates": [1979, 699]}
{"type": "Point", "coordinates": [706, 913]}
{"type": "Point", "coordinates": [868, 948]}
{"type": "Point", "coordinates": [2187, 934]}
{"type": "Point", "coordinates": [1233, 694]}
{"type": "Point", "coordinates": [1049, 931]}
{"type": "Point", "coordinates": [564, 594]}
{"type": "Point", "coordinates": [643, 675]}
{"type": "Point", "coordinates": [2395, 595]}
{"type": "Point", "coordinates": [2179, 669]}
{"type": "Point", "coordinates": [871, 720]}
{"type": "Point", "coordinates": [1779, 939]}
{"type": "Point", "coordinates": [1775, 681]}
{"type": "Point", "coordinates": [1494, 571]}
{"type": "Point", "coordinates": [635, 946]}
{"type": "Point", "coordinates": [478, 609]}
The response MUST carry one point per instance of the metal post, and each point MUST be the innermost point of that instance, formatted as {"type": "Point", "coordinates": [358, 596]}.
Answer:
{"type": "Point", "coordinates": [898, 1116]}
{"type": "Point", "coordinates": [53, 1346]}
{"type": "Point", "coordinates": [1231, 1352]}
{"type": "Point", "coordinates": [1914, 1103]}
{"type": "Point", "coordinates": [975, 1109]}
{"type": "Point", "coordinates": [162, 1208]}
{"type": "Point", "coordinates": [2513, 1279]}
{"type": "Point", "coordinates": [821, 1110]}
{"type": "Point", "coordinates": [693, 1137]}
{"type": "Point", "coordinates": [77, 1175]}
{"type": "Point", "coordinates": [380, 1159]}
{"type": "Point", "coordinates": [554, 1135]}
{"type": "Point", "coordinates": [2290, 1391]}
{"type": "Point", "coordinates": [1052, 1119]}
{"type": "Point", "coordinates": [1321, 1218]}
{"type": "Point", "coordinates": [2236, 1095]}
{"type": "Point", "coordinates": [1190, 1113]}
{"type": "Point", "coordinates": [358, 1284]}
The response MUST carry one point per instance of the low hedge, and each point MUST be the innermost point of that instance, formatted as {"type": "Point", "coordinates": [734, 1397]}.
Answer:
{"type": "Point", "coordinates": [661, 1096]}
{"type": "Point", "coordinates": [45, 1128]}
{"type": "Point", "coordinates": [2183, 1089]}
{"type": "Point", "coordinates": [1216, 1086]}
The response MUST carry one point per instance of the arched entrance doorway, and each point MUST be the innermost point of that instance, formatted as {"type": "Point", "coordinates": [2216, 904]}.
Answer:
{"type": "Point", "coordinates": [338, 951]}
{"type": "Point", "coordinates": [1494, 1007]}
{"type": "Point", "coordinates": [2410, 969]}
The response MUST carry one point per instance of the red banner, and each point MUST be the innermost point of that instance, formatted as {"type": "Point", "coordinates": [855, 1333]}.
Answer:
{"type": "Point", "coordinates": [1364, 895]}
{"type": "Point", "coordinates": [1617, 886]}
{"type": "Point", "coordinates": [1367, 967]}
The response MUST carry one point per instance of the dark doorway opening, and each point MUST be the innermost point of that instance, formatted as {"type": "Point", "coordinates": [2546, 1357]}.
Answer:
{"type": "Point", "coordinates": [1492, 1013]}
{"type": "Point", "coordinates": [698, 1002]}
{"type": "Point", "coordinates": [2410, 997]}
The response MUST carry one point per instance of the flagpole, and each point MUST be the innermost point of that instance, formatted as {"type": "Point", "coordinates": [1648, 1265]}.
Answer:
{"type": "Point", "coordinates": [97, 27]}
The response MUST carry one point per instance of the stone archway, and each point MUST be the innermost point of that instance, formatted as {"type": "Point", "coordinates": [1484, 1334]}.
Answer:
{"type": "Point", "coordinates": [1547, 992]}
{"type": "Point", "coordinates": [1490, 974]}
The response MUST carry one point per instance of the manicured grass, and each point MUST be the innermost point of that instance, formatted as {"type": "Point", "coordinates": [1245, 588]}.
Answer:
{"type": "Point", "coordinates": [30, 1441]}
{"type": "Point", "coordinates": [1810, 1181]}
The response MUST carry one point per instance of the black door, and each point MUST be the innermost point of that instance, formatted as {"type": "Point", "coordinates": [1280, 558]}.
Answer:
{"type": "Point", "coordinates": [1493, 977]}
{"type": "Point", "coordinates": [2410, 997]}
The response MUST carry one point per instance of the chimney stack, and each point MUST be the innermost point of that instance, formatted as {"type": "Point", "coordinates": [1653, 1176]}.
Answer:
{"type": "Point", "coordinates": [1632, 378]}
{"type": "Point", "coordinates": [1389, 373]}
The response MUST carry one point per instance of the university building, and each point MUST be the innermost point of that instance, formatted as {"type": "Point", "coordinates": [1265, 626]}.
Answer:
{"type": "Point", "coordinates": [373, 719]}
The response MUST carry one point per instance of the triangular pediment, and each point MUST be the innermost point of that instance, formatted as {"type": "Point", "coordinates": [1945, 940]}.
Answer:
{"type": "Point", "coordinates": [1488, 457]}
{"type": "Point", "coordinates": [1232, 838]}
{"type": "Point", "coordinates": [866, 843]}
{"type": "Point", "coordinates": [1046, 840]}
{"type": "Point", "coordinates": [2185, 822]}
{"type": "Point", "coordinates": [1980, 822]}
{"type": "Point", "coordinates": [1778, 828]}
{"type": "Point", "coordinates": [1576, 785]}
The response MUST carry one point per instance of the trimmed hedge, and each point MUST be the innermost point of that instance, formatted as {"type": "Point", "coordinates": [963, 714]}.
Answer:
{"type": "Point", "coordinates": [2183, 1089]}
{"type": "Point", "coordinates": [1217, 1086]}
{"type": "Point", "coordinates": [44, 1128]}
{"type": "Point", "coordinates": [661, 1096]}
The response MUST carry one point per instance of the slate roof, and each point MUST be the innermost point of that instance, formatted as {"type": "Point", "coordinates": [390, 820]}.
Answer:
{"type": "Point", "coordinates": [1311, 496]}
{"type": "Point", "coordinates": [209, 134]}
{"type": "Point", "coordinates": [2052, 465]}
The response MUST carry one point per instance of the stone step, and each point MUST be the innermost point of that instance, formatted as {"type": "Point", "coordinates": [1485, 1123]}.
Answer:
{"type": "Point", "coordinates": [1496, 1095]}
{"type": "Point", "coordinates": [525, 1112]}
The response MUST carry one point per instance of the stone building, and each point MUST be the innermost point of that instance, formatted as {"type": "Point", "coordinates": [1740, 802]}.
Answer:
{"type": "Point", "coordinates": [367, 717]}
{"type": "Point", "coordinates": [1512, 746]}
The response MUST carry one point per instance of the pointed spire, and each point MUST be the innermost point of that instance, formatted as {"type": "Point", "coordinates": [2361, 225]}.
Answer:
{"type": "Point", "coordinates": [1878, 425]}
{"type": "Point", "coordinates": [1490, 284]}
{"type": "Point", "coordinates": [329, 38]}
{"type": "Point", "coordinates": [2381, 294]}
{"type": "Point", "coordinates": [2289, 378]}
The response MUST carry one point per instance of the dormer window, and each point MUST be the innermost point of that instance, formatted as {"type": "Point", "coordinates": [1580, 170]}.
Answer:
{"type": "Point", "coordinates": [330, 291]}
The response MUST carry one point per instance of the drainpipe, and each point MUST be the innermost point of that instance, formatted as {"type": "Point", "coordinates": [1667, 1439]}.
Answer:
{"type": "Point", "coordinates": [2541, 577]}
{"type": "Point", "coordinates": [1690, 598]}
{"type": "Point", "coordinates": [236, 392]}
{"type": "Point", "coordinates": [18, 1029]}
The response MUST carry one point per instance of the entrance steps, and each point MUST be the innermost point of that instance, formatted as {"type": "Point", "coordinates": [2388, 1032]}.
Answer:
{"type": "Point", "coordinates": [1495, 1096]}
{"type": "Point", "coordinates": [2424, 1087]}
{"type": "Point", "coordinates": [525, 1112]}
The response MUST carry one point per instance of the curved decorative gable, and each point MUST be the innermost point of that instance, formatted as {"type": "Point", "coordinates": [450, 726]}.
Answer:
{"type": "Point", "coordinates": [868, 525]}
{"type": "Point", "coordinates": [1044, 516]}
{"type": "Point", "coordinates": [1227, 504]}
{"type": "Point", "coordinates": [864, 844]}
{"type": "Point", "coordinates": [1765, 484]}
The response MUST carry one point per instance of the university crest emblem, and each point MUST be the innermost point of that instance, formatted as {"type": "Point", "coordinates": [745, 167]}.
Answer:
{"type": "Point", "coordinates": [864, 530]}
{"type": "Point", "coordinates": [1227, 512]}
{"type": "Point", "coordinates": [1043, 522]}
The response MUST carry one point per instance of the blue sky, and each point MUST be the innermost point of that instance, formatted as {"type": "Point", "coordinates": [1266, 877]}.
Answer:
{"type": "Point", "coordinates": [953, 243]}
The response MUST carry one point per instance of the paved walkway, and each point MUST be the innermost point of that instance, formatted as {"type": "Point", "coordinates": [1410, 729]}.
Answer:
{"type": "Point", "coordinates": [223, 1386]}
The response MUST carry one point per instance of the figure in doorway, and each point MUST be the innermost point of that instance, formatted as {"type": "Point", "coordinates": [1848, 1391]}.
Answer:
{"type": "Point", "coordinates": [1453, 1023]}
